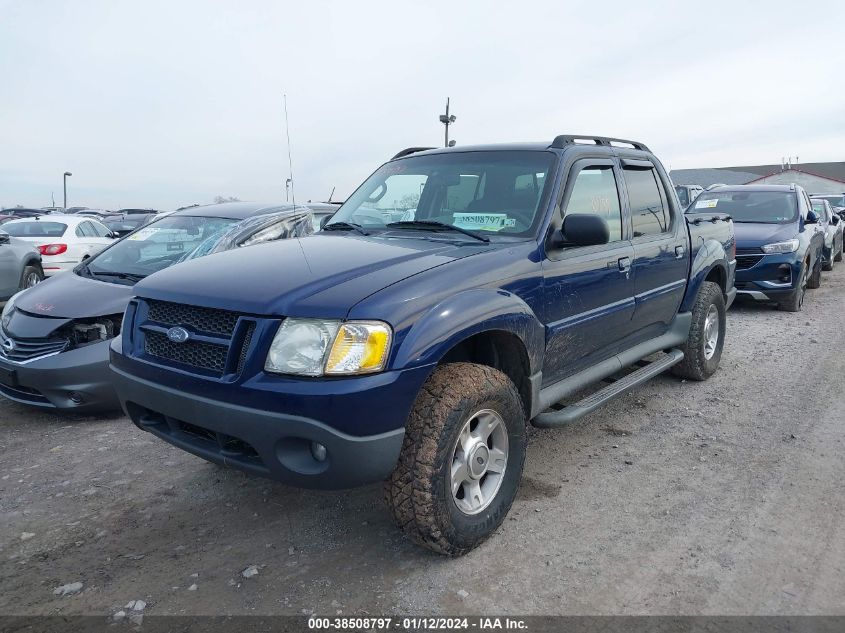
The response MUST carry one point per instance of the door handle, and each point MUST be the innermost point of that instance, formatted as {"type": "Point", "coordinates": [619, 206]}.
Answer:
{"type": "Point", "coordinates": [679, 252]}
{"type": "Point", "coordinates": [624, 264]}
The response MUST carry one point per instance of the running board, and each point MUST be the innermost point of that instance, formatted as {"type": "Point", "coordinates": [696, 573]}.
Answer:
{"type": "Point", "coordinates": [573, 412]}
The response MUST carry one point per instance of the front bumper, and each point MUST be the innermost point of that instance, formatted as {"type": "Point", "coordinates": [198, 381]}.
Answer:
{"type": "Point", "coordinates": [772, 278]}
{"type": "Point", "coordinates": [75, 380]}
{"type": "Point", "coordinates": [270, 444]}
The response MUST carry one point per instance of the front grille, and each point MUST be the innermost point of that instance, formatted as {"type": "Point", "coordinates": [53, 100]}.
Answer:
{"type": "Point", "coordinates": [747, 261]}
{"type": "Point", "coordinates": [250, 329]}
{"type": "Point", "coordinates": [201, 319]}
{"type": "Point", "coordinates": [23, 349]}
{"type": "Point", "coordinates": [194, 353]}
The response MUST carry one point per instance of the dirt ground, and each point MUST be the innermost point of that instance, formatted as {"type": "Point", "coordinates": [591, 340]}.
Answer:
{"type": "Point", "coordinates": [724, 497]}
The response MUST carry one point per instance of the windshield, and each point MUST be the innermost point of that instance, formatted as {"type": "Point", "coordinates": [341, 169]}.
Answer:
{"type": "Point", "coordinates": [256, 230]}
{"type": "Point", "coordinates": [156, 246]}
{"type": "Point", "coordinates": [683, 195]}
{"type": "Point", "coordinates": [835, 200]}
{"type": "Point", "coordinates": [489, 192]}
{"type": "Point", "coordinates": [35, 228]}
{"type": "Point", "coordinates": [764, 207]}
{"type": "Point", "coordinates": [125, 225]}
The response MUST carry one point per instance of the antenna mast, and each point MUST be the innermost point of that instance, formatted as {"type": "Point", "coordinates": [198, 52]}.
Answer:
{"type": "Point", "coordinates": [290, 161]}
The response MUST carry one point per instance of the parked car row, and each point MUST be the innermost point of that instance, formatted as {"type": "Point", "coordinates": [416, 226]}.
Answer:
{"type": "Point", "coordinates": [784, 238]}
{"type": "Point", "coordinates": [458, 295]}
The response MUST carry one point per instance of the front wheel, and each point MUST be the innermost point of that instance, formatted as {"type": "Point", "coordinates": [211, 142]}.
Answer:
{"type": "Point", "coordinates": [815, 279]}
{"type": "Point", "coordinates": [703, 347]}
{"type": "Point", "coordinates": [461, 460]}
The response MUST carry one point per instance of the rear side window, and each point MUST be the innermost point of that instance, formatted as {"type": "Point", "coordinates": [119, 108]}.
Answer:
{"type": "Point", "coordinates": [99, 229]}
{"type": "Point", "coordinates": [648, 213]}
{"type": "Point", "coordinates": [85, 230]}
{"type": "Point", "coordinates": [595, 192]}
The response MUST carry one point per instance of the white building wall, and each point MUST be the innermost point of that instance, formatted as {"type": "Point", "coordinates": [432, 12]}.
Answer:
{"type": "Point", "coordinates": [813, 184]}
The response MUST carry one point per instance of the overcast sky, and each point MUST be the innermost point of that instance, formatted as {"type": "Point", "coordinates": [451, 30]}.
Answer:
{"type": "Point", "coordinates": [169, 103]}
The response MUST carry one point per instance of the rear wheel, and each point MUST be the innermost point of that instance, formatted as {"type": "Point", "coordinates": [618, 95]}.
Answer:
{"type": "Point", "coordinates": [703, 348]}
{"type": "Point", "coordinates": [461, 460]}
{"type": "Point", "coordinates": [31, 276]}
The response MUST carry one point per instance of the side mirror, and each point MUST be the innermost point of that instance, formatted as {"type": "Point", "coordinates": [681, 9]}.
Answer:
{"type": "Point", "coordinates": [834, 219]}
{"type": "Point", "coordinates": [325, 220]}
{"type": "Point", "coordinates": [812, 217]}
{"type": "Point", "coordinates": [4, 238]}
{"type": "Point", "coordinates": [584, 229]}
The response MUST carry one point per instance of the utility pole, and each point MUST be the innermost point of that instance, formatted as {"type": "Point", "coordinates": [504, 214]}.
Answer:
{"type": "Point", "coordinates": [67, 173]}
{"type": "Point", "coordinates": [447, 120]}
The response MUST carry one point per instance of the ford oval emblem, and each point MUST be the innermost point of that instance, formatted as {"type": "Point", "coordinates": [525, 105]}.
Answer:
{"type": "Point", "coordinates": [178, 335]}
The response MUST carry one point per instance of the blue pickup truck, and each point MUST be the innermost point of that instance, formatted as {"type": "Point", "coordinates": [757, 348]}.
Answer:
{"type": "Point", "coordinates": [457, 295]}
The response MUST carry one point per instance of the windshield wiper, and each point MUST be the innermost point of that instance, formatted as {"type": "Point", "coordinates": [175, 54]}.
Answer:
{"type": "Point", "coordinates": [434, 225]}
{"type": "Point", "coordinates": [128, 276]}
{"type": "Point", "coordinates": [345, 226]}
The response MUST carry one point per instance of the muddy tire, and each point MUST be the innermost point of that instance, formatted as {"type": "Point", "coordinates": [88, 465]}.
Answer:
{"type": "Point", "coordinates": [461, 460]}
{"type": "Point", "coordinates": [703, 347]}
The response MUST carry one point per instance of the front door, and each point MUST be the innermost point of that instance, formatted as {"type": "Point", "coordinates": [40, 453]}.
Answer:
{"type": "Point", "coordinates": [588, 290]}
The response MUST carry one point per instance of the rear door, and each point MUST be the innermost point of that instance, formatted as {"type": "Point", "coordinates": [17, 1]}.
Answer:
{"type": "Point", "coordinates": [588, 290]}
{"type": "Point", "coordinates": [660, 243]}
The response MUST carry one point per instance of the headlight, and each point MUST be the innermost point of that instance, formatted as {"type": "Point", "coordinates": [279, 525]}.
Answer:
{"type": "Point", "coordinates": [313, 347]}
{"type": "Point", "coordinates": [8, 309]}
{"type": "Point", "coordinates": [789, 246]}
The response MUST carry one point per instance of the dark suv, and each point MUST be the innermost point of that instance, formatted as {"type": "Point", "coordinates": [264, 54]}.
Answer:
{"type": "Point", "coordinates": [779, 243]}
{"type": "Point", "coordinates": [455, 296]}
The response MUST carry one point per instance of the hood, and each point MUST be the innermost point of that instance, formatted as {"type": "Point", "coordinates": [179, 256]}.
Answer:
{"type": "Point", "coordinates": [753, 235]}
{"type": "Point", "coordinates": [322, 275]}
{"type": "Point", "coordinates": [69, 296]}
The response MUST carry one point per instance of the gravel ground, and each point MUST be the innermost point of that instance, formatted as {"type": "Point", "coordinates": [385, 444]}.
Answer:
{"type": "Point", "coordinates": [722, 497]}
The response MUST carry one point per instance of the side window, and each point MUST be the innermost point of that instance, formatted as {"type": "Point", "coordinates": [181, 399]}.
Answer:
{"type": "Point", "coordinates": [595, 192]}
{"type": "Point", "coordinates": [648, 213]}
{"type": "Point", "coordinates": [100, 230]}
{"type": "Point", "coordinates": [79, 231]}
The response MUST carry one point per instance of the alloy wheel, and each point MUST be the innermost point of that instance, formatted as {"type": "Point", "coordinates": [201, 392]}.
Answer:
{"type": "Point", "coordinates": [479, 459]}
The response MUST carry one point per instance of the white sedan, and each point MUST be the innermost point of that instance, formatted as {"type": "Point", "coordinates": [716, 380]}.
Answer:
{"type": "Point", "coordinates": [62, 240]}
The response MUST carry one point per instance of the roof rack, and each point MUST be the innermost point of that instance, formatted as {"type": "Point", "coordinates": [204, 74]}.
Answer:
{"type": "Point", "coordinates": [411, 150]}
{"type": "Point", "coordinates": [563, 140]}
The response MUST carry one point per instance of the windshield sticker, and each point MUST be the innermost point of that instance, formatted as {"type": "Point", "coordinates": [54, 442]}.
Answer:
{"type": "Point", "coordinates": [707, 204]}
{"type": "Point", "coordinates": [144, 233]}
{"type": "Point", "coordinates": [483, 221]}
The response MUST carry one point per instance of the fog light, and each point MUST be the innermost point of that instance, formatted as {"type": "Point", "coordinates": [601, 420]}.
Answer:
{"type": "Point", "coordinates": [318, 451]}
{"type": "Point", "coordinates": [75, 397]}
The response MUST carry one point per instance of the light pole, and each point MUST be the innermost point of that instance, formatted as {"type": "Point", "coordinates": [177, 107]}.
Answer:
{"type": "Point", "coordinates": [447, 120]}
{"type": "Point", "coordinates": [67, 173]}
